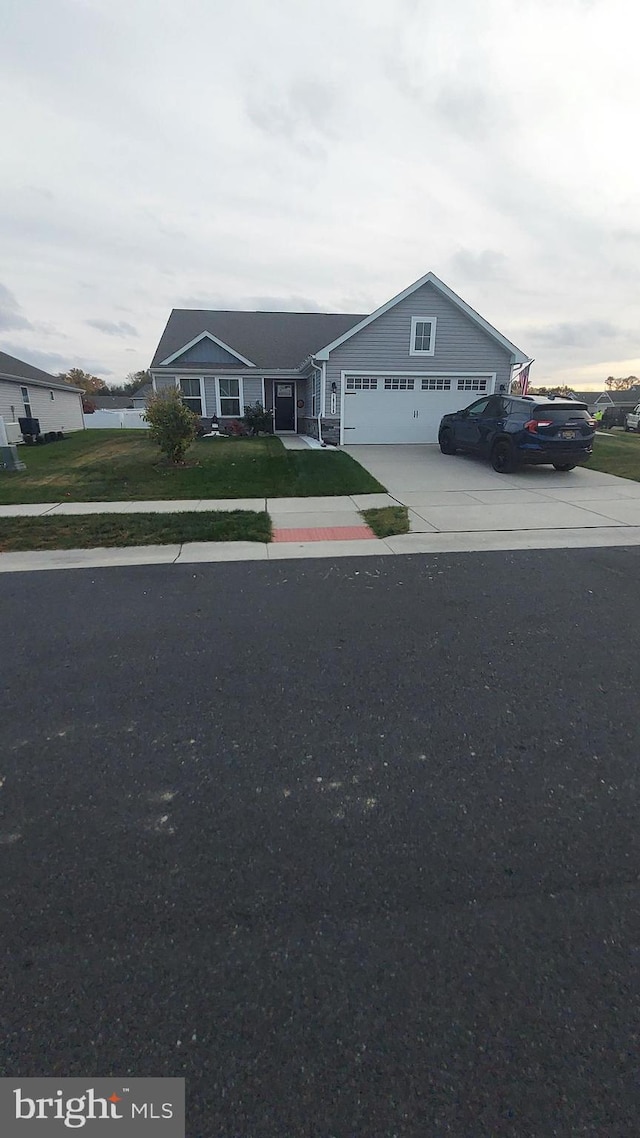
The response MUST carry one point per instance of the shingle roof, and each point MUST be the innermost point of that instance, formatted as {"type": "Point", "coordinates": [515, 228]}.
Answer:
{"type": "Point", "coordinates": [13, 368]}
{"type": "Point", "coordinates": [142, 392]}
{"type": "Point", "coordinates": [587, 396]}
{"type": "Point", "coordinates": [111, 402]}
{"type": "Point", "coordinates": [622, 398]}
{"type": "Point", "coordinates": [268, 339]}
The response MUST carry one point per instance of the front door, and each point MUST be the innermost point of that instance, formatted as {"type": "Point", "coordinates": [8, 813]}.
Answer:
{"type": "Point", "coordinates": [285, 406]}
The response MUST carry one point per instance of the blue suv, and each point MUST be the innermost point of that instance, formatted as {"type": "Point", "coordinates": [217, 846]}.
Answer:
{"type": "Point", "coordinates": [512, 430]}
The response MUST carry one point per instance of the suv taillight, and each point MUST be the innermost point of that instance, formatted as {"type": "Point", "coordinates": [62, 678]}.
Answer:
{"type": "Point", "coordinates": [533, 424]}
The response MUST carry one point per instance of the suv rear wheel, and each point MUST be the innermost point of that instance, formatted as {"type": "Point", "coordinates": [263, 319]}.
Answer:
{"type": "Point", "coordinates": [564, 466]}
{"type": "Point", "coordinates": [447, 444]}
{"type": "Point", "coordinates": [503, 459]}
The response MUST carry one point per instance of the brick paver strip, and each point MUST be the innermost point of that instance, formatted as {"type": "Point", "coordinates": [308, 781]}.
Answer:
{"type": "Point", "coordinates": [331, 533]}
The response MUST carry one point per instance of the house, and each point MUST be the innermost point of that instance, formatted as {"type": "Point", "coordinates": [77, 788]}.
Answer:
{"type": "Point", "coordinates": [588, 397]}
{"type": "Point", "coordinates": [388, 377]}
{"type": "Point", "coordinates": [139, 397]}
{"type": "Point", "coordinates": [625, 400]}
{"type": "Point", "coordinates": [110, 402]}
{"type": "Point", "coordinates": [28, 392]}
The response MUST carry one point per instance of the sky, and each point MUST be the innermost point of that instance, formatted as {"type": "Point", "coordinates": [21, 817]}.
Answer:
{"type": "Point", "coordinates": [319, 156]}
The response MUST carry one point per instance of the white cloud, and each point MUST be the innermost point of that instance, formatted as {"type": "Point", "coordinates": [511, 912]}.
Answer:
{"type": "Point", "coordinates": [324, 157]}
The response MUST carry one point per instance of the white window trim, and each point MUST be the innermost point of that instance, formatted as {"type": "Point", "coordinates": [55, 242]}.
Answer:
{"type": "Point", "coordinates": [240, 380]}
{"type": "Point", "coordinates": [201, 382]}
{"type": "Point", "coordinates": [490, 375]}
{"type": "Point", "coordinates": [415, 320]}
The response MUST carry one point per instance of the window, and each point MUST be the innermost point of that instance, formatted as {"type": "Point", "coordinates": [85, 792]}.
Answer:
{"type": "Point", "coordinates": [51, 396]}
{"type": "Point", "coordinates": [436, 383]}
{"type": "Point", "coordinates": [398, 383]}
{"type": "Point", "coordinates": [423, 336]}
{"type": "Point", "coordinates": [362, 383]}
{"type": "Point", "coordinates": [472, 385]}
{"type": "Point", "coordinates": [479, 407]}
{"type": "Point", "coordinates": [27, 402]}
{"type": "Point", "coordinates": [229, 396]}
{"type": "Point", "coordinates": [191, 394]}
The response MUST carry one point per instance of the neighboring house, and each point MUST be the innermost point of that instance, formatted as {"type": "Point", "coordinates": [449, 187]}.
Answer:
{"type": "Point", "coordinates": [28, 392]}
{"type": "Point", "coordinates": [347, 378]}
{"type": "Point", "coordinates": [139, 397]}
{"type": "Point", "coordinates": [110, 402]}
{"type": "Point", "coordinates": [588, 397]}
{"type": "Point", "coordinates": [626, 400]}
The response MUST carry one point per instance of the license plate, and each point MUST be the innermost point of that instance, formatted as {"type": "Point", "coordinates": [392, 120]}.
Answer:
{"type": "Point", "coordinates": [568, 434]}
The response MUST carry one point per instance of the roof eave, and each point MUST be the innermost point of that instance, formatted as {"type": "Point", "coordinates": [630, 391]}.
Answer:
{"type": "Point", "coordinates": [54, 384]}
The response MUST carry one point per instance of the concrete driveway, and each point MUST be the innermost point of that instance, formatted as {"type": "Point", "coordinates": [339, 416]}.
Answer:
{"type": "Point", "coordinates": [458, 493]}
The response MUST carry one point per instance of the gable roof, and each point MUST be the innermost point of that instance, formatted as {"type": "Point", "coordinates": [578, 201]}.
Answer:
{"type": "Point", "coordinates": [142, 392]}
{"type": "Point", "coordinates": [622, 398]}
{"type": "Point", "coordinates": [429, 278]}
{"type": "Point", "coordinates": [268, 339]}
{"type": "Point", "coordinates": [13, 368]}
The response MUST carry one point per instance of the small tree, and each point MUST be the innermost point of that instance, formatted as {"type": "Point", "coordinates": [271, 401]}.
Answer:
{"type": "Point", "coordinates": [257, 419]}
{"type": "Point", "coordinates": [172, 425]}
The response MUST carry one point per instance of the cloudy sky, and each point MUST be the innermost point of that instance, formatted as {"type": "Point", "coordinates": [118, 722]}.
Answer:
{"type": "Point", "coordinates": [319, 155]}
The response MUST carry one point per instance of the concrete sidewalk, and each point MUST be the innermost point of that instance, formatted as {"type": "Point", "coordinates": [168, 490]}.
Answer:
{"type": "Point", "coordinates": [274, 506]}
{"type": "Point", "coordinates": [212, 551]}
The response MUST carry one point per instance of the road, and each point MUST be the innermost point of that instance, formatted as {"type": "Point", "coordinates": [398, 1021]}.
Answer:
{"type": "Point", "coordinates": [352, 845]}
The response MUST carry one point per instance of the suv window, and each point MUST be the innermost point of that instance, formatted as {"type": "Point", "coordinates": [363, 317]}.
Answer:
{"type": "Point", "coordinates": [478, 408]}
{"type": "Point", "coordinates": [493, 410]}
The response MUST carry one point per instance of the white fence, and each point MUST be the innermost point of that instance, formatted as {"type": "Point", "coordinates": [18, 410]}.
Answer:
{"type": "Point", "coordinates": [111, 420]}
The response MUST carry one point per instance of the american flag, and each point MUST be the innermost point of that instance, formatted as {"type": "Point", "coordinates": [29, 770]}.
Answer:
{"type": "Point", "coordinates": [520, 383]}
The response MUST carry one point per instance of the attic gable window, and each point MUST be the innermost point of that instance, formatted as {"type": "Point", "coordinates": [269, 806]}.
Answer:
{"type": "Point", "coordinates": [423, 336]}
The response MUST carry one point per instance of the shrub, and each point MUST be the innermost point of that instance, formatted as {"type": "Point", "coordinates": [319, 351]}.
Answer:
{"type": "Point", "coordinates": [257, 419]}
{"type": "Point", "coordinates": [172, 424]}
{"type": "Point", "coordinates": [236, 427]}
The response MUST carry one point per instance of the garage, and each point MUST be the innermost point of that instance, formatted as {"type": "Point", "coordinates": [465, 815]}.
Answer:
{"type": "Point", "coordinates": [395, 408]}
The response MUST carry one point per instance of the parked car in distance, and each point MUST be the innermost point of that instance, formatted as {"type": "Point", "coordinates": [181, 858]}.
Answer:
{"type": "Point", "coordinates": [514, 430]}
{"type": "Point", "coordinates": [613, 417]}
{"type": "Point", "coordinates": [632, 422]}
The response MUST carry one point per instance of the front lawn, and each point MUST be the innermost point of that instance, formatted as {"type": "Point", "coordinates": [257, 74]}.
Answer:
{"type": "Point", "coordinates": [108, 466]}
{"type": "Point", "coordinates": [617, 454]}
{"type": "Point", "coordinates": [100, 530]}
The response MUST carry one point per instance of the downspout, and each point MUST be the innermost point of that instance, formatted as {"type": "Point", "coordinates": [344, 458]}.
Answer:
{"type": "Point", "coordinates": [321, 401]}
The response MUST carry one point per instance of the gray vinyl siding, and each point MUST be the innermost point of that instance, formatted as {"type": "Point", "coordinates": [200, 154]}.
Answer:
{"type": "Point", "coordinates": [384, 344]}
{"type": "Point", "coordinates": [62, 413]}
{"type": "Point", "coordinates": [206, 352]}
{"type": "Point", "coordinates": [210, 404]}
{"type": "Point", "coordinates": [252, 385]}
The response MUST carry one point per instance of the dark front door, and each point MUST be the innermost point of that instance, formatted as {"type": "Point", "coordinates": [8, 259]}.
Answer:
{"type": "Point", "coordinates": [285, 402]}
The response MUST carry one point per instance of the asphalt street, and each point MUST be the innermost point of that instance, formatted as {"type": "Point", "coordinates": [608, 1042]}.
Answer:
{"type": "Point", "coordinates": [351, 845]}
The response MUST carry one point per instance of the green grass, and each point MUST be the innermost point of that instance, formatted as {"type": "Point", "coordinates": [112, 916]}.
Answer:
{"type": "Point", "coordinates": [100, 530]}
{"type": "Point", "coordinates": [617, 453]}
{"type": "Point", "coordinates": [388, 520]}
{"type": "Point", "coordinates": [105, 466]}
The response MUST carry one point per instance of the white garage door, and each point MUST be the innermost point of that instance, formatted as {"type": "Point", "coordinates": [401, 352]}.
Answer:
{"type": "Point", "coordinates": [405, 408]}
